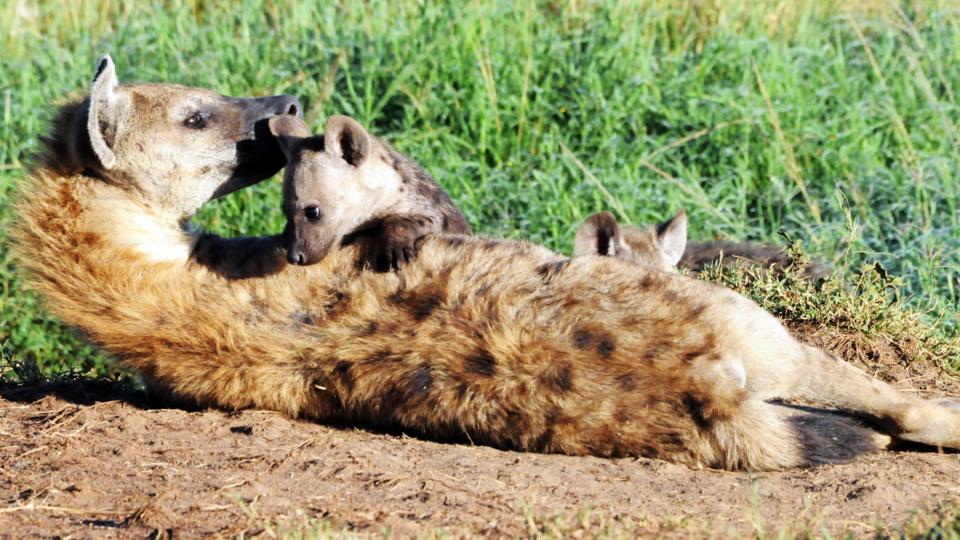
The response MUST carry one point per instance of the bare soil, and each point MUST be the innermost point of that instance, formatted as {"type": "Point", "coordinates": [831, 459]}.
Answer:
{"type": "Point", "coordinates": [93, 459]}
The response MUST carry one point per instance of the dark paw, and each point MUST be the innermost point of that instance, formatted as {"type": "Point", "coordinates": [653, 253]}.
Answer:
{"type": "Point", "coordinates": [394, 254]}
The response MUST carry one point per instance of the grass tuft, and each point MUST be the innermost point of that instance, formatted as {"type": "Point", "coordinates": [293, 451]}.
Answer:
{"type": "Point", "coordinates": [861, 316]}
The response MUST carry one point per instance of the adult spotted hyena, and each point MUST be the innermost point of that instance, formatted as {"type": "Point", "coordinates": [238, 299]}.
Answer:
{"type": "Point", "coordinates": [500, 342]}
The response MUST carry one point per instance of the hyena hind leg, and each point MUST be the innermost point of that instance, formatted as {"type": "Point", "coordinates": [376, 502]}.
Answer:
{"type": "Point", "coordinates": [827, 380]}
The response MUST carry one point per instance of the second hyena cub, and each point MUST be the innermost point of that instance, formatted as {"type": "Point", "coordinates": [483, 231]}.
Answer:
{"type": "Point", "coordinates": [349, 186]}
{"type": "Point", "coordinates": [659, 246]}
{"type": "Point", "coordinates": [664, 246]}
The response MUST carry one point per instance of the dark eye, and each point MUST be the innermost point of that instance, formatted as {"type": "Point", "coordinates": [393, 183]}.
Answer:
{"type": "Point", "coordinates": [312, 213]}
{"type": "Point", "coordinates": [195, 121]}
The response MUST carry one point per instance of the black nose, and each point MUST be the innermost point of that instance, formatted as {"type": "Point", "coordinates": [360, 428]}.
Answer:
{"type": "Point", "coordinates": [285, 104]}
{"type": "Point", "coordinates": [262, 108]}
{"type": "Point", "coordinates": [295, 256]}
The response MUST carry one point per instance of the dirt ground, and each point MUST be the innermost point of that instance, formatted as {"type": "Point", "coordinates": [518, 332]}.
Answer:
{"type": "Point", "coordinates": [88, 459]}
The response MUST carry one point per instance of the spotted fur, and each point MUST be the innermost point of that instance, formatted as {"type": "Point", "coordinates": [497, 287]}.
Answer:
{"type": "Point", "coordinates": [472, 340]}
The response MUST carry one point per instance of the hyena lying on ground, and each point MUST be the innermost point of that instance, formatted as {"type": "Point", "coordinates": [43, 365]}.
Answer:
{"type": "Point", "coordinates": [665, 246]}
{"type": "Point", "coordinates": [348, 183]}
{"type": "Point", "coordinates": [497, 342]}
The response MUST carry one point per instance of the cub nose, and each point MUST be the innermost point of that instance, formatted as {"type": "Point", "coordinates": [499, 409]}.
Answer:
{"type": "Point", "coordinates": [295, 256]}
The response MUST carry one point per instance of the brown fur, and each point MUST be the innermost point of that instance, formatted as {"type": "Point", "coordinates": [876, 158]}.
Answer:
{"type": "Point", "coordinates": [503, 343]}
{"type": "Point", "coordinates": [350, 184]}
{"type": "Point", "coordinates": [656, 246]}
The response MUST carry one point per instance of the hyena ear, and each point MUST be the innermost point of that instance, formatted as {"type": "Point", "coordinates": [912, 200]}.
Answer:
{"type": "Point", "coordinates": [672, 236]}
{"type": "Point", "coordinates": [288, 130]}
{"type": "Point", "coordinates": [345, 138]}
{"type": "Point", "coordinates": [106, 113]}
{"type": "Point", "coordinates": [599, 235]}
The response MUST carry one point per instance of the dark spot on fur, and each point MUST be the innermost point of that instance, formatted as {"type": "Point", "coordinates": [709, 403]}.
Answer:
{"type": "Point", "coordinates": [550, 270]}
{"type": "Point", "coordinates": [421, 381]}
{"type": "Point", "coordinates": [627, 381]}
{"type": "Point", "coordinates": [558, 378]}
{"type": "Point", "coordinates": [242, 430]}
{"type": "Point", "coordinates": [582, 339]}
{"type": "Point", "coordinates": [338, 304]}
{"type": "Point", "coordinates": [343, 371]}
{"type": "Point", "coordinates": [606, 346]}
{"type": "Point", "coordinates": [697, 311]}
{"type": "Point", "coordinates": [483, 290]}
{"type": "Point", "coordinates": [481, 363]}
{"type": "Point", "coordinates": [515, 429]}
{"type": "Point", "coordinates": [461, 390]}
{"type": "Point", "coordinates": [452, 241]}
{"type": "Point", "coordinates": [648, 451]}
{"type": "Point", "coordinates": [672, 297]}
{"type": "Point", "coordinates": [673, 439]}
{"type": "Point", "coordinates": [543, 441]}
{"type": "Point", "coordinates": [695, 408]}
{"type": "Point", "coordinates": [422, 307]}
{"type": "Point", "coordinates": [491, 245]}
{"type": "Point", "coordinates": [371, 328]}
{"type": "Point", "coordinates": [622, 415]}
{"type": "Point", "coordinates": [647, 282]}
{"type": "Point", "coordinates": [302, 317]}
{"type": "Point", "coordinates": [381, 356]}
{"type": "Point", "coordinates": [657, 350]}
{"type": "Point", "coordinates": [690, 356]}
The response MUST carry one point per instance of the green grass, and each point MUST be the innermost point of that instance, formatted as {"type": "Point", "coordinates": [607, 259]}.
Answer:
{"type": "Point", "coordinates": [838, 128]}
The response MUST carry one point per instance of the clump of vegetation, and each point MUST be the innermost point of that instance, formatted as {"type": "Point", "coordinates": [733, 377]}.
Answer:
{"type": "Point", "coordinates": [860, 315]}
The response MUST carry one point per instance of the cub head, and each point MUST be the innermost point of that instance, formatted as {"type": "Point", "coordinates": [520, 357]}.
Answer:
{"type": "Point", "coordinates": [658, 246]}
{"type": "Point", "coordinates": [174, 147]}
{"type": "Point", "coordinates": [332, 185]}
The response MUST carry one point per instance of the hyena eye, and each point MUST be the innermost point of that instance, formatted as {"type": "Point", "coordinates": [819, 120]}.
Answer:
{"type": "Point", "coordinates": [195, 121]}
{"type": "Point", "coordinates": [312, 213]}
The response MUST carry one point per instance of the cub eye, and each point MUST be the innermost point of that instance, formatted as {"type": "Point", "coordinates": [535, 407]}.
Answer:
{"type": "Point", "coordinates": [195, 121]}
{"type": "Point", "coordinates": [312, 213]}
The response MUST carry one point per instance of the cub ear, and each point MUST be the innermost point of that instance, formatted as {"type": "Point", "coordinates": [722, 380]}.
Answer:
{"type": "Point", "coordinates": [599, 235]}
{"type": "Point", "coordinates": [672, 236]}
{"type": "Point", "coordinates": [345, 138]}
{"type": "Point", "coordinates": [288, 130]}
{"type": "Point", "coordinates": [106, 113]}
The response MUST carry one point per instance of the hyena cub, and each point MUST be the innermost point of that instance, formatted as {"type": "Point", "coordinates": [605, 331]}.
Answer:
{"type": "Point", "coordinates": [659, 246]}
{"type": "Point", "coordinates": [664, 246]}
{"type": "Point", "coordinates": [349, 186]}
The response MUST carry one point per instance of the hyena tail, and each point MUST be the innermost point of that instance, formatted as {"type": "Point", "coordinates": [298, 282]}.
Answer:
{"type": "Point", "coordinates": [827, 380]}
{"type": "Point", "coordinates": [771, 436]}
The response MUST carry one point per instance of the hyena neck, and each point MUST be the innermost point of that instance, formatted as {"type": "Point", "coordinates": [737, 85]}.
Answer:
{"type": "Point", "coordinates": [127, 221]}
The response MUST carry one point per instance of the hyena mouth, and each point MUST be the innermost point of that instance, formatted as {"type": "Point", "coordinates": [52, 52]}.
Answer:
{"type": "Point", "coordinates": [258, 155]}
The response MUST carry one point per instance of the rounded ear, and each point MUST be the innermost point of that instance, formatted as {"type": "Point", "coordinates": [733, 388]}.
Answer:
{"type": "Point", "coordinates": [106, 112]}
{"type": "Point", "coordinates": [672, 236]}
{"type": "Point", "coordinates": [599, 235]}
{"type": "Point", "coordinates": [346, 139]}
{"type": "Point", "coordinates": [288, 130]}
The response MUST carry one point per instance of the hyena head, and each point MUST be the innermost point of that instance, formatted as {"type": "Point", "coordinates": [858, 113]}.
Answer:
{"type": "Point", "coordinates": [659, 246]}
{"type": "Point", "coordinates": [332, 185]}
{"type": "Point", "coordinates": [173, 146]}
